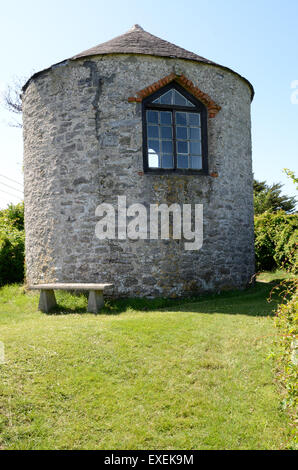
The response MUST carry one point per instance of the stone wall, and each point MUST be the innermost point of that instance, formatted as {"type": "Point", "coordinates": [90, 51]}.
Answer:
{"type": "Point", "coordinates": [83, 146]}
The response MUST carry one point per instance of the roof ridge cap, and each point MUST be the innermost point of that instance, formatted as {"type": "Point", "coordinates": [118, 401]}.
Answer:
{"type": "Point", "coordinates": [135, 27]}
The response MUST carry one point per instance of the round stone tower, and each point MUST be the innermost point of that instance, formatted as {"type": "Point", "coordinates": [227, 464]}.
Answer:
{"type": "Point", "coordinates": [138, 118]}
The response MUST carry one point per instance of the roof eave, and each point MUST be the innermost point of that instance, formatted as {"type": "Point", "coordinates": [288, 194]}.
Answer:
{"type": "Point", "coordinates": [76, 58]}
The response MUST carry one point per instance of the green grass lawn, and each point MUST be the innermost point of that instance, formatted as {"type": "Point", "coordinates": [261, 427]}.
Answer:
{"type": "Point", "coordinates": [142, 375]}
{"type": "Point", "coordinates": [274, 276]}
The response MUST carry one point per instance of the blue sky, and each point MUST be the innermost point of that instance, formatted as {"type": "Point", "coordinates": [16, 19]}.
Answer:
{"type": "Point", "coordinates": [257, 38]}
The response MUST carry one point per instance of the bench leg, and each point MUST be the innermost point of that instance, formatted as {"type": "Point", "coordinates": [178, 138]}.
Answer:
{"type": "Point", "coordinates": [47, 300]}
{"type": "Point", "coordinates": [95, 301]}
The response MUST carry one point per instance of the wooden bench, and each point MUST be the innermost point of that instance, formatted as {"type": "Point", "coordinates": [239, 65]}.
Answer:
{"type": "Point", "coordinates": [47, 299]}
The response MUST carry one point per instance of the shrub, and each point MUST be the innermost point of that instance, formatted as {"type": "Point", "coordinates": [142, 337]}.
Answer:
{"type": "Point", "coordinates": [13, 215]}
{"type": "Point", "coordinates": [12, 244]}
{"type": "Point", "coordinates": [287, 357]}
{"type": "Point", "coordinates": [276, 237]}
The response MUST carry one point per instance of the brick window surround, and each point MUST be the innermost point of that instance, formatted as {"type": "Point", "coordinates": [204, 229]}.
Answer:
{"type": "Point", "coordinates": [187, 84]}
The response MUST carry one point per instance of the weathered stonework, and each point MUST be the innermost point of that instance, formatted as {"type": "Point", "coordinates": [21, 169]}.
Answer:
{"type": "Point", "coordinates": [83, 146]}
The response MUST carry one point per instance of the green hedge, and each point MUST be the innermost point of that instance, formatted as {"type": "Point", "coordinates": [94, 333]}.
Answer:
{"type": "Point", "coordinates": [287, 351]}
{"type": "Point", "coordinates": [276, 236]}
{"type": "Point", "coordinates": [12, 244]}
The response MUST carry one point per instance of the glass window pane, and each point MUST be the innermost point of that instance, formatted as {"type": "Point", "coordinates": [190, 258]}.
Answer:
{"type": "Point", "coordinates": [153, 131]}
{"type": "Point", "coordinates": [153, 161]}
{"type": "Point", "coordinates": [182, 147]}
{"type": "Point", "coordinates": [165, 117]}
{"type": "Point", "coordinates": [153, 145]}
{"type": "Point", "coordinates": [166, 146]}
{"type": "Point", "coordinates": [195, 148]}
{"type": "Point", "coordinates": [188, 103]}
{"type": "Point", "coordinates": [182, 161]}
{"type": "Point", "coordinates": [167, 161]}
{"type": "Point", "coordinates": [166, 98]}
{"type": "Point", "coordinates": [194, 119]}
{"type": "Point", "coordinates": [196, 163]}
{"type": "Point", "coordinates": [157, 100]}
{"type": "Point", "coordinates": [166, 132]}
{"type": "Point", "coordinates": [181, 119]}
{"type": "Point", "coordinates": [181, 133]}
{"type": "Point", "coordinates": [195, 133]}
{"type": "Point", "coordinates": [179, 99]}
{"type": "Point", "coordinates": [152, 117]}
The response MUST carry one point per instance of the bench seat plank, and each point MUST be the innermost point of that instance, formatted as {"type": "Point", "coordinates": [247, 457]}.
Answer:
{"type": "Point", "coordinates": [69, 286]}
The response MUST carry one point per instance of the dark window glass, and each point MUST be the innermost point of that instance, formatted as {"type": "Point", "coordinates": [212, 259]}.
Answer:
{"type": "Point", "coordinates": [194, 133]}
{"type": "Point", "coordinates": [196, 162]}
{"type": "Point", "coordinates": [167, 161]}
{"type": "Point", "coordinates": [174, 132]}
{"type": "Point", "coordinates": [194, 119]}
{"type": "Point", "coordinates": [153, 145]}
{"type": "Point", "coordinates": [153, 131]}
{"type": "Point", "coordinates": [165, 117]}
{"type": "Point", "coordinates": [195, 148]}
{"type": "Point", "coordinates": [166, 146]}
{"type": "Point", "coordinates": [181, 119]}
{"type": "Point", "coordinates": [152, 117]}
{"type": "Point", "coordinates": [182, 161]}
{"type": "Point", "coordinates": [181, 133]}
{"type": "Point", "coordinates": [182, 147]}
{"type": "Point", "coordinates": [166, 132]}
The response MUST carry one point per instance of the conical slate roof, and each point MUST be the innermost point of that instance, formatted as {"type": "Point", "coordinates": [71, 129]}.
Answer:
{"type": "Point", "coordinates": [138, 41]}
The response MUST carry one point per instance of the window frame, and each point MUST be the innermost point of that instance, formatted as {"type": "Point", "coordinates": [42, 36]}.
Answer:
{"type": "Point", "coordinates": [199, 107]}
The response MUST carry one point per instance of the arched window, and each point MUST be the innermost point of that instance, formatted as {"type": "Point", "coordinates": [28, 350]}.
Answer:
{"type": "Point", "coordinates": [174, 132]}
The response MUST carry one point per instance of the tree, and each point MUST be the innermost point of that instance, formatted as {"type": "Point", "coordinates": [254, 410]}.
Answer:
{"type": "Point", "coordinates": [292, 176]}
{"type": "Point", "coordinates": [13, 215]}
{"type": "Point", "coordinates": [270, 198]}
{"type": "Point", "coordinates": [11, 99]}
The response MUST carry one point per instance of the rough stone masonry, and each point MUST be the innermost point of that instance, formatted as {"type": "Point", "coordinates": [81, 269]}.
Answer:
{"type": "Point", "coordinates": [83, 147]}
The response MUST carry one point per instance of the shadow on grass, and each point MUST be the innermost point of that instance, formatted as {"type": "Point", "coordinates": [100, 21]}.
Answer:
{"type": "Point", "coordinates": [62, 309]}
{"type": "Point", "coordinates": [252, 301]}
